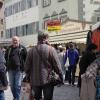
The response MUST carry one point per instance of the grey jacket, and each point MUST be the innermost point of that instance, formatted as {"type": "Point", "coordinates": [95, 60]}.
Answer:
{"type": "Point", "coordinates": [35, 66]}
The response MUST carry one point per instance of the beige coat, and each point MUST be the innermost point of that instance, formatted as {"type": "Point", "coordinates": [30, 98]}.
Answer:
{"type": "Point", "coordinates": [88, 89]}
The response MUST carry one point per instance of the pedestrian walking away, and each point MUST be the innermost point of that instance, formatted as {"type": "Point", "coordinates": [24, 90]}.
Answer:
{"type": "Point", "coordinates": [40, 61]}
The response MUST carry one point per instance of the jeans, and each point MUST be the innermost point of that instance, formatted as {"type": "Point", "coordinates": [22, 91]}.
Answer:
{"type": "Point", "coordinates": [15, 79]}
{"type": "Point", "coordinates": [47, 92]}
{"type": "Point", "coordinates": [2, 95]}
{"type": "Point", "coordinates": [71, 74]}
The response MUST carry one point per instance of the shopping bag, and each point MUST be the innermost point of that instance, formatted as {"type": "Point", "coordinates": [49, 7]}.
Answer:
{"type": "Point", "coordinates": [26, 92]}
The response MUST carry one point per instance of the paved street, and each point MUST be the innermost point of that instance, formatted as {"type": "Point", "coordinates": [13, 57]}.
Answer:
{"type": "Point", "coordinates": [64, 92]}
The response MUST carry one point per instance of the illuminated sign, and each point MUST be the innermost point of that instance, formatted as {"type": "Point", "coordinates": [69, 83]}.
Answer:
{"type": "Point", "coordinates": [53, 25]}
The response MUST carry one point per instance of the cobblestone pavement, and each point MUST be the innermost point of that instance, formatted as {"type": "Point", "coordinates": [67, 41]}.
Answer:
{"type": "Point", "coordinates": [64, 92]}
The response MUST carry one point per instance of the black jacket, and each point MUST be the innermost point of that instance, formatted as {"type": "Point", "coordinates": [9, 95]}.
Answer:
{"type": "Point", "coordinates": [15, 57]}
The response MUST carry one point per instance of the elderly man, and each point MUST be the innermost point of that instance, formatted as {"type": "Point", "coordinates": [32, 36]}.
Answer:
{"type": "Point", "coordinates": [15, 57]}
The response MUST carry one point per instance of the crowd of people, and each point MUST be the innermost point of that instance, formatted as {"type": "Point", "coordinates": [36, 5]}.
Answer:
{"type": "Point", "coordinates": [40, 61]}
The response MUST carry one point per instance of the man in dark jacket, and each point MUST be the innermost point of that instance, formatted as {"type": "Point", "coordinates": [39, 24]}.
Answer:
{"type": "Point", "coordinates": [15, 58]}
{"type": "Point", "coordinates": [40, 61]}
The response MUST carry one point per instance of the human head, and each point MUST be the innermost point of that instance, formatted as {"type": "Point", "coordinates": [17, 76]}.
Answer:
{"type": "Point", "coordinates": [92, 47]}
{"type": "Point", "coordinates": [60, 48]}
{"type": "Point", "coordinates": [15, 41]}
{"type": "Point", "coordinates": [43, 38]}
{"type": "Point", "coordinates": [71, 46]}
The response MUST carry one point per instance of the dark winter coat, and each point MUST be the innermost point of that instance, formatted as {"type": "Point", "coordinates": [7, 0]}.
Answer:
{"type": "Point", "coordinates": [15, 57]}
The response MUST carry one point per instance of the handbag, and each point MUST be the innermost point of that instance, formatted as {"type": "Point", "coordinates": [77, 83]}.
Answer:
{"type": "Point", "coordinates": [26, 90]}
{"type": "Point", "coordinates": [53, 78]}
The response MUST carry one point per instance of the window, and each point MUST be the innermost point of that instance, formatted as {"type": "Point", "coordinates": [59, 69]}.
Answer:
{"type": "Point", "coordinates": [46, 3]}
{"type": "Point", "coordinates": [10, 10]}
{"type": "Point", "coordinates": [13, 31]}
{"type": "Point", "coordinates": [2, 34]}
{"type": "Point", "coordinates": [16, 7]}
{"type": "Point", "coordinates": [34, 2]}
{"type": "Point", "coordinates": [37, 26]}
{"type": "Point", "coordinates": [23, 30]}
{"type": "Point", "coordinates": [98, 18]}
{"type": "Point", "coordinates": [7, 33]}
{"type": "Point", "coordinates": [45, 24]}
{"type": "Point", "coordinates": [29, 3]}
{"type": "Point", "coordinates": [23, 5]}
{"type": "Point", "coordinates": [1, 21]}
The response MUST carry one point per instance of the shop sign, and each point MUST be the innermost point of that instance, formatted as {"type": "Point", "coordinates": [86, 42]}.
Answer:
{"type": "Point", "coordinates": [53, 25]}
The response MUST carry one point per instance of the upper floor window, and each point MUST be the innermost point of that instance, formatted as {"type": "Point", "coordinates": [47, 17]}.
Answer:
{"type": "Point", "coordinates": [29, 3]}
{"type": "Point", "coordinates": [98, 19]}
{"type": "Point", "coordinates": [2, 34]}
{"type": "Point", "coordinates": [46, 3]}
{"type": "Point", "coordinates": [1, 21]}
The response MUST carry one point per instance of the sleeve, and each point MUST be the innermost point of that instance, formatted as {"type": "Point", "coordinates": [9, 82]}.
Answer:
{"type": "Point", "coordinates": [77, 56]}
{"type": "Point", "coordinates": [6, 54]}
{"type": "Point", "coordinates": [24, 53]}
{"type": "Point", "coordinates": [28, 61]}
{"type": "Point", "coordinates": [56, 63]}
{"type": "Point", "coordinates": [65, 58]}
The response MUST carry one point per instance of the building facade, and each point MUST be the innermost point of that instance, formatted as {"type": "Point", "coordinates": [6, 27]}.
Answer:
{"type": "Point", "coordinates": [2, 22]}
{"type": "Point", "coordinates": [58, 10]}
{"type": "Point", "coordinates": [91, 10]}
{"type": "Point", "coordinates": [25, 17]}
{"type": "Point", "coordinates": [70, 13]}
{"type": "Point", "coordinates": [22, 19]}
